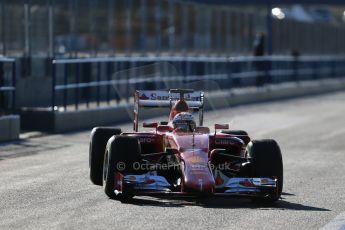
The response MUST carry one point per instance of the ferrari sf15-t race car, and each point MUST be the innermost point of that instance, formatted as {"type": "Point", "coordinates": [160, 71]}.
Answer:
{"type": "Point", "coordinates": [180, 158]}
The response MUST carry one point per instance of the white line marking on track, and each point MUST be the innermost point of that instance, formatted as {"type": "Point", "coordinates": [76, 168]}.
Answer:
{"type": "Point", "coordinates": [338, 223]}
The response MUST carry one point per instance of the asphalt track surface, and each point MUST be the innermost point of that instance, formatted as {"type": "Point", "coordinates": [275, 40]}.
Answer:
{"type": "Point", "coordinates": [44, 181]}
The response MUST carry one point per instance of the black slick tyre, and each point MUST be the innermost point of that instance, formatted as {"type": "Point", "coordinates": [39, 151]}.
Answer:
{"type": "Point", "coordinates": [121, 156]}
{"type": "Point", "coordinates": [266, 161]}
{"type": "Point", "coordinates": [98, 141]}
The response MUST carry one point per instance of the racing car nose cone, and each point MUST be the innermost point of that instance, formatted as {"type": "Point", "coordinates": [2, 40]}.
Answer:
{"type": "Point", "coordinates": [199, 184]}
{"type": "Point", "coordinates": [198, 178]}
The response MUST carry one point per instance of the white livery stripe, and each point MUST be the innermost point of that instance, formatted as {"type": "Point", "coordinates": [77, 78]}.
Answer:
{"type": "Point", "coordinates": [155, 103]}
{"type": "Point", "coordinates": [160, 98]}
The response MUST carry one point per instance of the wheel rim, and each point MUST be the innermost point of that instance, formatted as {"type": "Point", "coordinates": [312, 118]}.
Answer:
{"type": "Point", "coordinates": [105, 166]}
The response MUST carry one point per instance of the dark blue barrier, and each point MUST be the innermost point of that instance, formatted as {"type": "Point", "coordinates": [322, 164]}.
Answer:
{"type": "Point", "coordinates": [97, 81]}
{"type": "Point", "coordinates": [7, 85]}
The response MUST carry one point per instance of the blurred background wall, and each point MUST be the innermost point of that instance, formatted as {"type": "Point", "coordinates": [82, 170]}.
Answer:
{"type": "Point", "coordinates": [81, 28]}
{"type": "Point", "coordinates": [37, 31]}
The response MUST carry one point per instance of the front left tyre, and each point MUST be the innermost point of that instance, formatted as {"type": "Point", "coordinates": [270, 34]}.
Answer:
{"type": "Point", "coordinates": [266, 161]}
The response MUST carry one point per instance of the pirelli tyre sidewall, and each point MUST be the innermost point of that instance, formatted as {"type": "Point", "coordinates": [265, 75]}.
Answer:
{"type": "Point", "coordinates": [266, 161]}
{"type": "Point", "coordinates": [98, 141]}
{"type": "Point", "coordinates": [122, 153]}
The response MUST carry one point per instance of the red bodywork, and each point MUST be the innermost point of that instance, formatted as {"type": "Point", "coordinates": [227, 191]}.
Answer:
{"type": "Point", "coordinates": [208, 162]}
{"type": "Point", "coordinates": [193, 149]}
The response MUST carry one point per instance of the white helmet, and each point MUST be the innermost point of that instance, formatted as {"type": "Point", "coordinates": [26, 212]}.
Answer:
{"type": "Point", "coordinates": [184, 121]}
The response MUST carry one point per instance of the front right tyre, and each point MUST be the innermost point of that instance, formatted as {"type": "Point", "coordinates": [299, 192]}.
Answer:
{"type": "Point", "coordinates": [121, 156]}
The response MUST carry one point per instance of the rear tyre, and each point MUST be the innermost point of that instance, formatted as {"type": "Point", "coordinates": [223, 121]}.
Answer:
{"type": "Point", "coordinates": [98, 142]}
{"type": "Point", "coordinates": [266, 161]}
{"type": "Point", "coordinates": [121, 156]}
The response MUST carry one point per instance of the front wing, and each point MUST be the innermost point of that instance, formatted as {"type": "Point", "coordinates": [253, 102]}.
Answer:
{"type": "Point", "coordinates": [153, 185]}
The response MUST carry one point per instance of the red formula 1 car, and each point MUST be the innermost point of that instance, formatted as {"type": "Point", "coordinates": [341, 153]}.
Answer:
{"type": "Point", "coordinates": [180, 158]}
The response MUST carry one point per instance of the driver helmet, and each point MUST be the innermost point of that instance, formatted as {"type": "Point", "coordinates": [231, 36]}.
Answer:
{"type": "Point", "coordinates": [184, 121]}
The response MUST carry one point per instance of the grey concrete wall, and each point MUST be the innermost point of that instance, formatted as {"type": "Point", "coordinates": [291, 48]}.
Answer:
{"type": "Point", "coordinates": [77, 120]}
{"type": "Point", "coordinates": [9, 127]}
{"type": "Point", "coordinates": [273, 92]}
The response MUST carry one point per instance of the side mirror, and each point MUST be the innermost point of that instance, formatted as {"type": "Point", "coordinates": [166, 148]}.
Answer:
{"type": "Point", "coordinates": [221, 126]}
{"type": "Point", "coordinates": [150, 125]}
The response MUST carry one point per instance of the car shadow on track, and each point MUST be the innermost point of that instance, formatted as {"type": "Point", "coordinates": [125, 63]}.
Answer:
{"type": "Point", "coordinates": [27, 147]}
{"type": "Point", "coordinates": [222, 203]}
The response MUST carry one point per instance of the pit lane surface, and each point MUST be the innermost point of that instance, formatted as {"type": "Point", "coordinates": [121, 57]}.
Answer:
{"type": "Point", "coordinates": [44, 181]}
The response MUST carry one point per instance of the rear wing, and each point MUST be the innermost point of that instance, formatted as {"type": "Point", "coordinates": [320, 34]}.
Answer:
{"type": "Point", "coordinates": [166, 99]}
